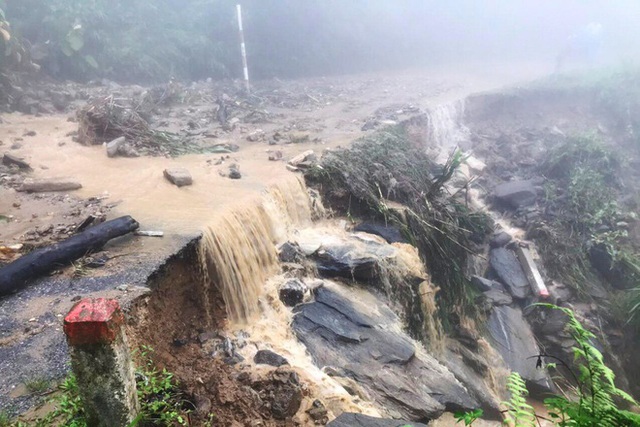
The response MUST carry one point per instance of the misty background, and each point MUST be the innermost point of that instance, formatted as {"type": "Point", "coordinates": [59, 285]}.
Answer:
{"type": "Point", "coordinates": [142, 40]}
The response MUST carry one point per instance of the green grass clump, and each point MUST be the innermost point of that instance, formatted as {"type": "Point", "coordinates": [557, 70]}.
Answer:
{"type": "Point", "coordinates": [37, 385]}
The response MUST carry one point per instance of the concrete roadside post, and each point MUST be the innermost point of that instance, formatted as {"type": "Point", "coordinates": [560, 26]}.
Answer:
{"type": "Point", "coordinates": [101, 362]}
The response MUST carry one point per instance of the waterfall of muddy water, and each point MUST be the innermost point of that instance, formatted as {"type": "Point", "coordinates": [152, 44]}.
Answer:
{"type": "Point", "coordinates": [446, 129]}
{"type": "Point", "coordinates": [237, 249]}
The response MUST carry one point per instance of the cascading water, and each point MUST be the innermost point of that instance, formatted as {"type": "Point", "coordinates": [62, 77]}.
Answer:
{"type": "Point", "coordinates": [446, 129]}
{"type": "Point", "coordinates": [237, 250]}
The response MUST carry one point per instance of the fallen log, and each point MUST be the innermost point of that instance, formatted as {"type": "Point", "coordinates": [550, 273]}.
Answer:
{"type": "Point", "coordinates": [41, 261]}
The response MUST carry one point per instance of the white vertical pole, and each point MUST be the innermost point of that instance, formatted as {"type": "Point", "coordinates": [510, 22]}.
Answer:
{"type": "Point", "coordinates": [243, 49]}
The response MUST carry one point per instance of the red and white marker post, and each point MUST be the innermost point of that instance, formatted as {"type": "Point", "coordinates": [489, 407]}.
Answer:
{"type": "Point", "coordinates": [101, 362]}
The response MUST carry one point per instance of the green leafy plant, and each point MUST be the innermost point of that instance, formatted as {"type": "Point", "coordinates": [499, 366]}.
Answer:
{"type": "Point", "coordinates": [5, 419]}
{"type": "Point", "coordinates": [596, 391]}
{"type": "Point", "coordinates": [468, 418]}
{"type": "Point", "coordinates": [161, 402]}
{"type": "Point", "coordinates": [519, 413]}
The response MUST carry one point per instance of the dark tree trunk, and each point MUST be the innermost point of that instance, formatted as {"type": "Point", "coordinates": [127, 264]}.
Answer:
{"type": "Point", "coordinates": [41, 261]}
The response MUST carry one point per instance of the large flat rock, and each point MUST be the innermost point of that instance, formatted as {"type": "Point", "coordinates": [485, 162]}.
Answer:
{"type": "Point", "coordinates": [350, 419]}
{"type": "Point", "coordinates": [512, 337]}
{"type": "Point", "coordinates": [363, 341]}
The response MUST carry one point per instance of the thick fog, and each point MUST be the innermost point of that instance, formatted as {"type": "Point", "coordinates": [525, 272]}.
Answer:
{"type": "Point", "coordinates": [384, 33]}
{"type": "Point", "coordinates": [198, 38]}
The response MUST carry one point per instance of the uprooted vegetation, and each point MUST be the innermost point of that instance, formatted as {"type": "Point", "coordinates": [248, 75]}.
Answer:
{"type": "Point", "coordinates": [389, 177]}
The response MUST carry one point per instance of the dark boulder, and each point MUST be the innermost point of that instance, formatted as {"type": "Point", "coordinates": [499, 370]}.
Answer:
{"type": "Point", "coordinates": [349, 419]}
{"type": "Point", "coordinates": [268, 357]}
{"type": "Point", "coordinates": [292, 292]}
{"type": "Point", "coordinates": [363, 341]}
{"type": "Point", "coordinates": [515, 194]}
{"type": "Point", "coordinates": [387, 232]}
{"type": "Point", "coordinates": [508, 268]}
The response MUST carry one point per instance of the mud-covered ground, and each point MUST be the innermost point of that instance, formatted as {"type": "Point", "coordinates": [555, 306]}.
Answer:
{"type": "Point", "coordinates": [279, 120]}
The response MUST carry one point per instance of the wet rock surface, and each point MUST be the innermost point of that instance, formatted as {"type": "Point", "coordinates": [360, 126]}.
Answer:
{"type": "Point", "coordinates": [292, 292]}
{"type": "Point", "coordinates": [368, 347]}
{"type": "Point", "coordinates": [389, 233]}
{"type": "Point", "coordinates": [348, 419]}
{"type": "Point", "coordinates": [507, 267]}
{"type": "Point", "coordinates": [352, 258]}
{"type": "Point", "coordinates": [472, 370]}
{"type": "Point", "coordinates": [512, 337]}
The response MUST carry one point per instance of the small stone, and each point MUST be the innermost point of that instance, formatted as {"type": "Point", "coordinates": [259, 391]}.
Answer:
{"type": "Point", "coordinates": [318, 412]}
{"type": "Point", "coordinates": [127, 150]}
{"type": "Point", "coordinates": [481, 283]}
{"type": "Point", "coordinates": [122, 288]}
{"type": "Point", "coordinates": [500, 239]}
{"type": "Point", "coordinates": [516, 194]}
{"type": "Point", "coordinates": [178, 176]}
{"type": "Point", "coordinates": [234, 173]}
{"type": "Point", "coordinates": [275, 156]}
{"type": "Point", "coordinates": [114, 146]}
{"type": "Point", "coordinates": [289, 252]}
{"type": "Point", "coordinates": [307, 156]}
{"type": "Point", "coordinates": [268, 357]}
{"type": "Point", "coordinates": [497, 297]}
